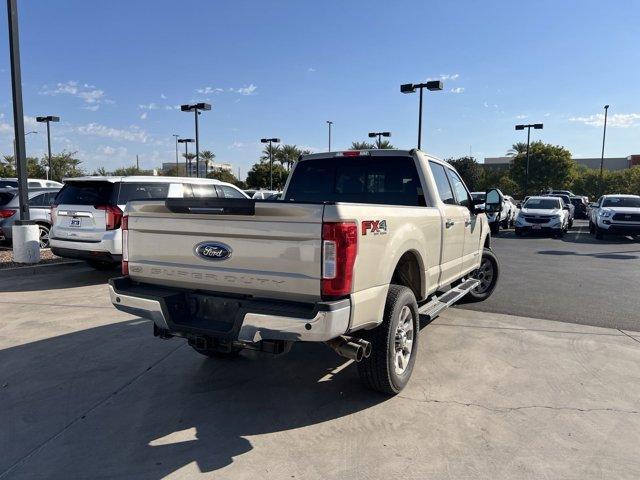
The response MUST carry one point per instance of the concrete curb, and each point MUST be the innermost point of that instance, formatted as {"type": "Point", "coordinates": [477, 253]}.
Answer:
{"type": "Point", "coordinates": [33, 269]}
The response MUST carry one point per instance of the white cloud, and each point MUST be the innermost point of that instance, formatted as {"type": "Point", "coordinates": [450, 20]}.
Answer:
{"type": "Point", "coordinates": [163, 96]}
{"type": "Point", "coordinates": [143, 116]}
{"type": "Point", "coordinates": [89, 94]}
{"type": "Point", "coordinates": [149, 106]}
{"type": "Point", "coordinates": [311, 69]}
{"type": "Point", "coordinates": [547, 114]}
{"type": "Point", "coordinates": [445, 76]}
{"type": "Point", "coordinates": [134, 134]}
{"type": "Point", "coordinates": [521, 116]}
{"type": "Point", "coordinates": [457, 90]}
{"type": "Point", "coordinates": [209, 90]}
{"type": "Point", "coordinates": [236, 146]}
{"type": "Point", "coordinates": [112, 151]}
{"type": "Point", "coordinates": [248, 90]}
{"type": "Point", "coordinates": [623, 120]}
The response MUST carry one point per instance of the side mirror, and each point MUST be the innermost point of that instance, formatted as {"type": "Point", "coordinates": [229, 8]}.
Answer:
{"type": "Point", "coordinates": [493, 203]}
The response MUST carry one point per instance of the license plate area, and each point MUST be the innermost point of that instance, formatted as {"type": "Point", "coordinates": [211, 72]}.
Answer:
{"type": "Point", "coordinates": [536, 227]}
{"type": "Point", "coordinates": [215, 314]}
{"type": "Point", "coordinates": [75, 222]}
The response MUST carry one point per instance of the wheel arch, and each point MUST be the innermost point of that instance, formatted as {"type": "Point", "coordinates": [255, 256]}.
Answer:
{"type": "Point", "coordinates": [409, 272]}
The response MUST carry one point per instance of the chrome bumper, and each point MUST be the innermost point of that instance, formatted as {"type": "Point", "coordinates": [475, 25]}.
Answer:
{"type": "Point", "coordinates": [325, 325]}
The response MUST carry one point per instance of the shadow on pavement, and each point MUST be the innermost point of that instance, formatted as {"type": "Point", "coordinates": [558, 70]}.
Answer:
{"type": "Point", "coordinates": [68, 277]}
{"type": "Point", "coordinates": [114, 402]}
{"type": "Point", "coordinates": [605, 255]}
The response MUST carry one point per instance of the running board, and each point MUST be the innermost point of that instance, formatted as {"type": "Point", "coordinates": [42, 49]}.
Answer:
{"type": "Point", "coordinates": [433, 308]}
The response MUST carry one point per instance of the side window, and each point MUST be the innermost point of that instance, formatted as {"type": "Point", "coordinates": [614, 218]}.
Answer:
{"type": "Point", "coordinates": [33, 184]}
{"type": "Point", "coordinates": [228, 192]}
{"type": "Point", "coordinates": [37, 201]}
{"type": "Point", "coordinates": [462, 196]}
{"type": "Point", "coordinates": [49, 198]}
{"type": "Point", "coordinates": [201, 190]}
{"type": "Point", "coordinates": [442, 183]}
{"type": "Point", "coordinates": [142, 191]}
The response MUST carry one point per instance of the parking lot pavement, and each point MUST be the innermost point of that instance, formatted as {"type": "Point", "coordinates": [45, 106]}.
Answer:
{"type": "Point", "coordinates": [575, 279]}
{"type": "Point", "coordinates": [87, 392]}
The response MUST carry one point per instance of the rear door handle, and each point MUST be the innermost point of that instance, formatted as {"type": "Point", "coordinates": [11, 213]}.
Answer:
{"type": "Point", "coordinates": [449, 223]}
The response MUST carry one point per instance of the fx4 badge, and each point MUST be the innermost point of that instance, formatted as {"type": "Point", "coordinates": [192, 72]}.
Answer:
{"type": "Point", "coordinates": [376, 227]}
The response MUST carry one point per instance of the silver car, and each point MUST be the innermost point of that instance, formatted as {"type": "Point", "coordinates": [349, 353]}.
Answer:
{"type": "Point", "coordinates": [40, 201]}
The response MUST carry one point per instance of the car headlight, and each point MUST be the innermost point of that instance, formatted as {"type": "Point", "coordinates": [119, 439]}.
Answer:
{"type": "Point", "coordinates": [605, 213]}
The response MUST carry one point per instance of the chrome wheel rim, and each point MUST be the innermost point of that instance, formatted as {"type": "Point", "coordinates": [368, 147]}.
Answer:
{"type": "Point", "coordinates": [44, 237]}
{"type": "Point", "coordinates": [403, 343]}
{"type": "Point", "coordinates": [485, 274]}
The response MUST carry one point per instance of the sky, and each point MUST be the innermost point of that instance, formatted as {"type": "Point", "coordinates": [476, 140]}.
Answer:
{"type": "Point", "coordinates": [117, 71]}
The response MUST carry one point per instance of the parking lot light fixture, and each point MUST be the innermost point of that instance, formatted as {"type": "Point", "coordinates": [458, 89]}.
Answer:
{"type": "Point", "coordinates": [535, 126]}
{"type": "Point", "coordinates": [197, 108]}
{"type": "Point", "coordinates": [48, 119]}
{"type": "Point", "coordinates": [379, 135]}
{"type": "Point", "coordinates": [187, 163]}
{"type": "Point", "coordinates": [432, 86]}
{"type": "Point", "coordinates": [270, 141]}
{"type": "Point", "coordinates": [329, 123]}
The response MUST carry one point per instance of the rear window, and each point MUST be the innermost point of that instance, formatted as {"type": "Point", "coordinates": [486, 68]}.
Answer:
{"type": "Point", "coordinates": [8, 183]}
{"type": "Point", "coordinates": [142, 191]}
{"type": "Point", "coordinates": [6, 197]}
{"type": "Point", "coordinates": [87, 193]}
{"type": "Point", "coordinates": [380, 180]}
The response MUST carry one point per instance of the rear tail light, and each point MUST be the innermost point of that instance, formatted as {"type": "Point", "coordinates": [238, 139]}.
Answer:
{"type": "Point", "coordinates": [53, 213]}
{"type": "Point", "coordinates": [339, 249]}
{"type": "Point", "coordinates": [6, 213]}
{"type": "Point", "coordinates": [112, 217]}
{"type": "Point", "coordinates": [125, 245]}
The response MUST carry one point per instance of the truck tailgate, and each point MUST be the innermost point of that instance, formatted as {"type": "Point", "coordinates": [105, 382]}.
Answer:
{"type": "Point", "coordinates": [274, 253]}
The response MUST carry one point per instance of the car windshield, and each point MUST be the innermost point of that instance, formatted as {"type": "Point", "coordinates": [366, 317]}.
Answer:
{"type": "Point", "coordinates": [542, 203]}
{"type": "Point", "coordinates": [86, 193]}
{"type": "Point", "coordinates": [633, 202]}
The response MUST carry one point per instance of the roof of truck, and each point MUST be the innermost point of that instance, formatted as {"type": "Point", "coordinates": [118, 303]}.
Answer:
{"type": "Point", "coordinates": [141, 178]}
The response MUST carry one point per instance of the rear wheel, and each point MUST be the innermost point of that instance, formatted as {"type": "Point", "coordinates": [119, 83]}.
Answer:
{"type": "Point", "coordinates": [394, 344]}
{"type": "Point", "coordinates": [599, 233]}
{"type": "Point", "coordinates": [488, 273]}
{"type": "Point", "coordinates": [592, 228]}
{"type": "Point", "coordinates": [44, 235]}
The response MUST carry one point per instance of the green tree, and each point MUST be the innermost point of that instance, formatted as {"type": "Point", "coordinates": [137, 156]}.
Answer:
{"type": "Point", "coordinates": [469, 169]}
{"type": "Point", "coordinates": [63, 165]}
{"type": "Point", "coordinates": [362, 146]}
{"type": "Point", "coordinates": [267, 150]}
{"type": "Point", "coordinates": [258, 176]}
{"type": "Point", "coordinates": [550, 166]}
{"type": "Point", "coordinates": [132, 170]}
{"type": "Point", "coordinates": [188, 158]}
{"type": "Point", "coordinates": [287, 155]}
{"type": "Point", "coordinates": [223, 176]}
{"type": "Point", "coordinates": [207, 156]}
{"type": "Point", "coordinates": [101, 171]}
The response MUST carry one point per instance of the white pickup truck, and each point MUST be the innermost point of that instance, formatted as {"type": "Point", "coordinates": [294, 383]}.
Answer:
{"type": "Point", "coordinates": [360, 244]}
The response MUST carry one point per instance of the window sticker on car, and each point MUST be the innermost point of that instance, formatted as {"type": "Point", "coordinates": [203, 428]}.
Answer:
{"type": "Point", "coordinates": [376, 227]}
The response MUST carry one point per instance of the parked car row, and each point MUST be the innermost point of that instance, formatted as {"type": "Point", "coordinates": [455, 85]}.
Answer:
{"type": "Point", "coordinates": [505, 217]}
{"type": "Point", "coordinates": [40, 200]}
{"type": "Point", "coordinates": [615, 214]}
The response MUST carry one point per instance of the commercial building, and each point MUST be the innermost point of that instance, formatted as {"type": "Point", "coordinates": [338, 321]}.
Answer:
{"type": "Point", "coordinates": [610, 163]}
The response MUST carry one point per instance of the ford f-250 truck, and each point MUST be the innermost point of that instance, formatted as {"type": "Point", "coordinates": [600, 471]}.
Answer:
{"type": "Point", "coordinates": [360, 244]}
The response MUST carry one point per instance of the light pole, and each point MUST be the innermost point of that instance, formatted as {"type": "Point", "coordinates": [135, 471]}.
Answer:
{"type": "Point", "coordinates": [177, 165]}
{"type": "Point", "coordinates": [48, 119]}
{"type": "Point", "coordinates": [536, 126]}
{"type": "Point", "coordinates": [270, 141]}
{"type": "Point", "coordinates": [433, 85]}
{"type": "Point", "coordinates": [196, 108]}
{"type": "Point", "coordinates": [187, 163]}
{"type": "Point", "coordinates": [329, 123]}
{"type": "Point", "coordinates": [604, 134]}
{"type": "Point", "coordinates": [379, 135]}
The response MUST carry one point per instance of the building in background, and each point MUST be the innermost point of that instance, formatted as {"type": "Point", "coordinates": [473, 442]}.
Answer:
{"type": "Point", "coordinates": [610, 163]}
{"type": "Point", "coordinates": [169, 167]}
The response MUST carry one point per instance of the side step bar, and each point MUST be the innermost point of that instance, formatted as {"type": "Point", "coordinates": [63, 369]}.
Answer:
{"type": "Point", "coordinates": [433, 308]}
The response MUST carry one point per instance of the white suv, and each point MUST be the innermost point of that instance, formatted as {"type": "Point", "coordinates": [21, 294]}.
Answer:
{"type": "Point", "coordinates": [87, 212]}
{"type": "Point", "coordinates": [615, 214]}
{"type": "Point", "coordinates": [543, 214]}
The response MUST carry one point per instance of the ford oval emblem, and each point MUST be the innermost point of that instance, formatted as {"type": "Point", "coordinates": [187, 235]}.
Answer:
{"type": "Point", "coordinates": [213, 251]}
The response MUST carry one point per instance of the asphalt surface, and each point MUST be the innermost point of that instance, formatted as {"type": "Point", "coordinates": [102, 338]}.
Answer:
{"type": "Point", "coordinates": [88, 393]}
{"type": "Point", "coordinates": [576, 279]}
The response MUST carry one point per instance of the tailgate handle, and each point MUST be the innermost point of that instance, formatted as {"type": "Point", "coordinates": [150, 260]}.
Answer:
{"type": "Point", "coordinates": [206, 209]}
{"type": "Point", "coordinates": [212, 206]}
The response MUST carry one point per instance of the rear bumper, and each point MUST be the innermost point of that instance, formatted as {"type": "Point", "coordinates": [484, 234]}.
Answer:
{"type": "Point", "coordinates": [190, 313]}
{"type": "Point", "coordinates": [92, 255]}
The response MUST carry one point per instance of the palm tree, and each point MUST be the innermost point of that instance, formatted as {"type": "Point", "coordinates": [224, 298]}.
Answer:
{"type": "Point", "coordinates": [266, 150]}
{"type": "Point", "coordinates": [384, 144]}
{"type": "Point", "coordinates": [362, 146]}
{"type": "Point", "coordinates": [101, 172]}
{"type": "Point", "coordinates": [288, 155]}
{"type": "Point", "coordinates": [207, 156]}
{"type": "Point", "coordinates": [188, 157]}
{"type": "Point", "coordinates": [517, 149]}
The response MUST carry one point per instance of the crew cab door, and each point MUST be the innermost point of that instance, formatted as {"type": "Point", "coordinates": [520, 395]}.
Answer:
{"type": "Point", "coordinates": [453, 226]}
{"type": "Point", "coordinates": [472, 224]}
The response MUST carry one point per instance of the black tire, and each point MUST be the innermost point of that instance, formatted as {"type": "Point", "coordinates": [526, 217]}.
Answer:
{"type": "Point", "coordinates": [505, 224]}
{"type": "Point", "coordinates": [592, 228]}
{"type": "Point", "coordinates": [102, 266]}
{"type": "Point", "coordinates": [519, 232]}
{"type": "Point", "coordinates": [494, 228]}
{"type": "Point", "coordinates": [379, 371]}
{"type": "Point", "coordinates": [599, 233]}
{"type": "Point", "coordinates": [484, 290]}
{"type": "Point", "coordinates": [571, 223]}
